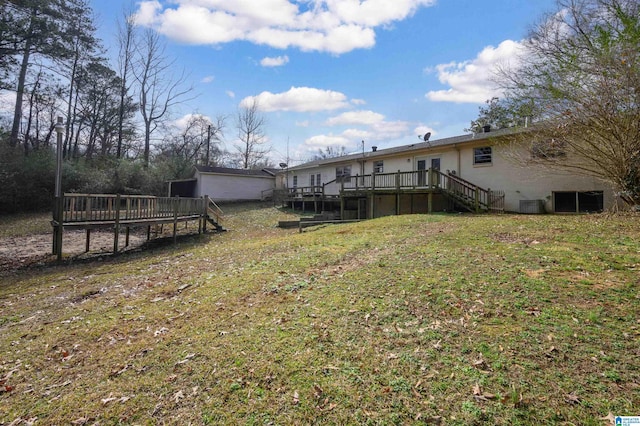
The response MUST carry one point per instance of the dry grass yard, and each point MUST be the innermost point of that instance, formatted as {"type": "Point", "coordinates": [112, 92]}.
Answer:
{"type": "Point", "coordinates": [441, 319]}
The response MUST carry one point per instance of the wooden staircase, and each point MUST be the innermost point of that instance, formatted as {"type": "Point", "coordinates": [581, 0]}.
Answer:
{"type": "Point", "coordinates": [470, 196]}
{"type": "Point", "coordinates": [215, 215]}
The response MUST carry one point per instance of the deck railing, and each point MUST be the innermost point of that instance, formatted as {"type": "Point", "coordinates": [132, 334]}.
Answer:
{"type": "Point", "coordinates": [472, 196]}
{"type": "Point", "coordinates": [111, 207]}
{"type": "Point", "coordinates": [467, 193]}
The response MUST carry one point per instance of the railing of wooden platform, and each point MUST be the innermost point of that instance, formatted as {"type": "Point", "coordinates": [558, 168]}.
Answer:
{"type": "Point", "coordinates": [90, 211]}
{"type": "Point", "coordinates": [474, 197]}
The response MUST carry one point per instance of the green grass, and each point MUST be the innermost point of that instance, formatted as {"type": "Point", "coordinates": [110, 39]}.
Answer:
{"type": "Point", "coordinates": [400, 320]}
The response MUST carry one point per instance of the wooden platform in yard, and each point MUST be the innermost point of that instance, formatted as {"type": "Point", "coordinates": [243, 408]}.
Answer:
{"type": "Point", "coordinates": [115, 211]}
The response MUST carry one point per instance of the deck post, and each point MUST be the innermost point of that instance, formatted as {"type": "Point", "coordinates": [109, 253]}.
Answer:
{"type": "Point", "coordinates": [341, 206]}
{"type": "Point", "coordinates": [175, 219]}
{"type": "Point", "coordinates": [116, 227]}
{"type": "Point", "coordinates": [477, 200]}
{"type": "Point", "coordinates": [88, 240]}
{"type": "Point", "coordinates": [205, 213]}
{"type": "Point", "coordinates": [323, 195]}
{"type": "Point", "coordinates": [59, 219]}
{"type": "Point", "coordinates": [373, 203]}
{"type": "Point", "coordinates": [398, 193]}
{"type": "Point", "coordinates": [126, 238]}
{"type": "Point", "coordinates": [430, 202]}
{"type": "Point", "coordinates": [429, 179]}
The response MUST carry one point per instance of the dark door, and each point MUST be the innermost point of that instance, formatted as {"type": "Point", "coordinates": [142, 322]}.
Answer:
{"type": "Point", "coordinates": [422, 172]}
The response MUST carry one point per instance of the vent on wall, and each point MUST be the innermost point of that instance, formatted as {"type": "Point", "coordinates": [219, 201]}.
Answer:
{"type": "Point", "coordinates": [532, 206]}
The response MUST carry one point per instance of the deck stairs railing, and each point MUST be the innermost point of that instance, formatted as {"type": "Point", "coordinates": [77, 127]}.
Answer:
{"type": "Point", "coordinates": [464, 193]}
{"type": "Point", "coordinates": [215, 215]}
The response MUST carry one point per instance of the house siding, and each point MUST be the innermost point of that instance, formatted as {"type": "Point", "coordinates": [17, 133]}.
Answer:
{"type": "Point", "coordinates": [519, 182]}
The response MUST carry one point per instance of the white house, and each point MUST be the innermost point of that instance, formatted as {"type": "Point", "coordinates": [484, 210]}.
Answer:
{"type": "Point", "coordinates": [223, 184]}
{"type": "Point", "coordinates": [444, 174]}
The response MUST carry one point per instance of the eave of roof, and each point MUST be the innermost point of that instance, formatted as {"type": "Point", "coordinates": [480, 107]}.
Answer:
{"type": "Point", "coordinates": [420, 146]}
{"type": "Point", "coordinates": [267, 172]}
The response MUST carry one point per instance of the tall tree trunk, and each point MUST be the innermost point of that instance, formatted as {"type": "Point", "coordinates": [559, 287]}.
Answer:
{"type": "Point", "coordinates": [71, 107]}
{"type": "Point", "coordinates": [17, 114]}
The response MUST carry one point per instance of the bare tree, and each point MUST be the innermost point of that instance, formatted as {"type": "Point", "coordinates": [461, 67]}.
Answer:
{"type": "Point", "coordinates": [251, 151]}
{"type": "Point", "coordinates": [330, 152]}
{"type": "Point", "coordinates": [158, 90]}
{"type": "Point", "coordinates": [126, 50]}
{"type": "Point", "coordinates": [198, 142]}
{"type": "Point", "coordinates": [581, 75]}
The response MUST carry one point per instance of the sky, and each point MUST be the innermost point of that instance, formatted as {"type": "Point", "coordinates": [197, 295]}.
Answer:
{"type": "Point", "coordinates": [335, 73]}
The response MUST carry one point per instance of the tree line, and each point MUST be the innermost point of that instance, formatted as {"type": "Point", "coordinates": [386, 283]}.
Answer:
{"type": "Point", "coordinates": [118, 117]}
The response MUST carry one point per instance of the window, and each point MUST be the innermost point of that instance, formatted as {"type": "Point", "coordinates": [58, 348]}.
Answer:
{"type": "Point", "coordinates": [312, 180]}
{"type": "Point", "coordinates": [318, 179]}
{"type": "Point", "coordinates": [343, 174]}
{"type": "Point", "coordinates": [482, 155]}
{"type": "Point", "coordinates": [378, 166]}
{"type": "Point", "coordinates": [578, 202]}
{"type": "Point", "coordinates": [295, 181]}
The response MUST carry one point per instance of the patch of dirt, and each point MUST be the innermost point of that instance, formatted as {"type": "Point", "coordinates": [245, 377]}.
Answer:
{"type": "Point", "coordinates": [35, 250]}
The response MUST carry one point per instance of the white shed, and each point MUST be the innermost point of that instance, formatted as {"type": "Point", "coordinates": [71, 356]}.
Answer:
{"type": "Point", "coordinates": [226, 184]}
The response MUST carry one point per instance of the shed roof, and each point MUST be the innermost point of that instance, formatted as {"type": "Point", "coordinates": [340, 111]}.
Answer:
{"type": "Point", "coordinates": [266, 172]}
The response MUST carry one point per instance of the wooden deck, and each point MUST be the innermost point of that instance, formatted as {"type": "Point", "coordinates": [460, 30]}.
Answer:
{"type": "Point", "coordinates": [403, 185]}
{"type": "Point", "coordinates": [115, 211]}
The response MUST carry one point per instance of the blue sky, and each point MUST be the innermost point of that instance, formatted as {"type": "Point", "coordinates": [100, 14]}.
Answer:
{"type": "Point", "coordinates": [336, 72]}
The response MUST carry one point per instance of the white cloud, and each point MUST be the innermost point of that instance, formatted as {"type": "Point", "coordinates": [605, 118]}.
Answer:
{"type": "Point", "coordinates": [321, 142]}
{"type": "Point", "coordinates": [182, 122]}
{"type": "Point", "coordinates": [358, 101]}
{"type": "Point", "coordinates": [7, 101]}
{"type": "Point", "coordinates": [274, 62]}
{"type": "Point", "coordinates": [356, 117]}
{"type": "Point", "coordinates": [373, 126]}
{"type": "Point", "coordinates": [230, 94]}
{"type": "Point", "coordinates": [148, 13]}
{"type": "Point", "coordinates": [299, 99]}
{"type": "Point", "coordinates": [208, 79]}
{"type": "Point", "coordinates": [472, 81]}
{"type": "Point", "coordinates": [304, 123]}
{"type": "Point", "coordinates": [335, 26]}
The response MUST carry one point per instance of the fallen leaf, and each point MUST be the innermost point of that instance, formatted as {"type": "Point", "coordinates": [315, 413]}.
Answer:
{"type": "Point", "coordinates": [296, 397]}
{"type": "Point", "coordinates": [572, 398]}
{"type": "Point", "coordinates": [107, 400]}
{"type": "Point", "coordinates": [178, 396]}
{"type": "Point", "coordinates": [481, 396]}
{"type": "Point", "coordinates": [610, 418]}
{"type": "Point", "coordinates": [118, 371]}
{"type": "Point", "coordinates": [185, 360]}
{"type": "Point", "coordinates": [476, 389]}
{"type": "Point", "coordinates": [481, 364]}
{"type": "Point", "coordinates": [163, 330]}
{"type": "Point", "coordinates": [317, 391]}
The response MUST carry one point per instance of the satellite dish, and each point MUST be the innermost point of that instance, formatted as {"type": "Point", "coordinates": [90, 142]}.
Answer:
{"type": "Point", "coordinates": [283, 165]}
{"type": "Point", "coordinates": [427, 136]}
